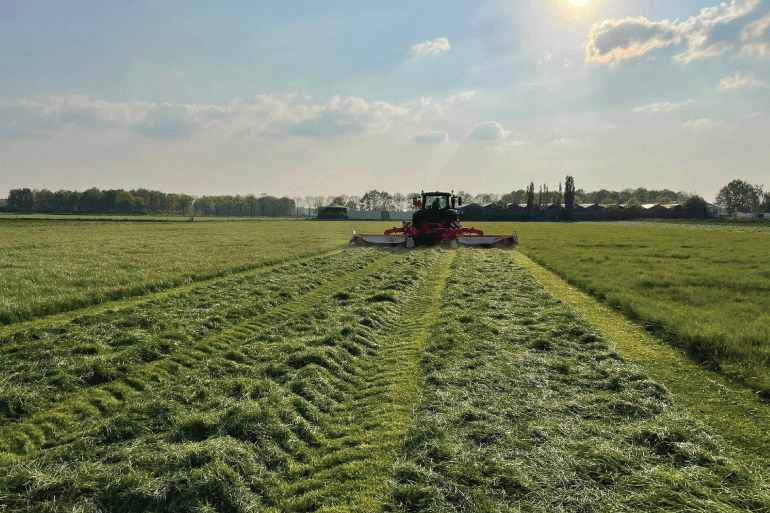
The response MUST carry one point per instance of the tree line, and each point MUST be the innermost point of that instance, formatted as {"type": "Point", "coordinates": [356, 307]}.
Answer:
{"type": "Point", "coordinates": [381, 200]}
{"type": "Point", "coordinates": [737, 196]}
{"type": "Point", "coordinates": [143, 201]}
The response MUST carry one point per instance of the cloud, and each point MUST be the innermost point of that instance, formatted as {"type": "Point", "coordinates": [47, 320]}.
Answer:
{"type": "Point", "coordinates": [167, 122]}
{"type": "Point", "coordinates": [340, 116]}
{"type": "Point", "coordinates": [434, 47]}
{"type": "Point", "coordinates": [739, 81]}
{"type": "Point", "coordinates": [277, 116]}
{"type": "Point", "coordinates": [618, 40]}
{"type": "Point", "coordinates": [741, 25]}
{"type": "Point", "coordinates": [564, 141]}
{"type": "Point", "coordinates": [663, 106]}
{"type": "Point", "coordinates": [696, 124]}
{"type": "Point", "coordinates": [431, 137]}
{"type": "Point", "coordinates": [461, 96]}
{"type": "Point", "coordinates": [488, 131]}
{"type": "Point", "coordinates": [328, 123]}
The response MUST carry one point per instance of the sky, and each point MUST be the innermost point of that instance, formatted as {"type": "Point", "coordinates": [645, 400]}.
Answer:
{"type": "Point", "coordinates": [328, 97]}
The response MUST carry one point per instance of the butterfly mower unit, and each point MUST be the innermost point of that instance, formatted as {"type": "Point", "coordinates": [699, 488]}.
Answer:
{"type": "Point", "coordinates": [435, 223]}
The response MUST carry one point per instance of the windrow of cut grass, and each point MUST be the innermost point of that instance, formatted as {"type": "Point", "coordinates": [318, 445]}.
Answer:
{"type": "Point", "coordinates": [43, 365]}
{"type": "Point", "coordinates": [524, 407]}
{"type": "Point", "coordinates": [291, 410]}
{"type": "Point", "coordinates": [700, 287]}
{"type": "Point", "coordinates": [47, 267]}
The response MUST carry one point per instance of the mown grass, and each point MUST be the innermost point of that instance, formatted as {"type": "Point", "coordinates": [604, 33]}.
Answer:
{"type": "Point", "coordinates": [47, 267]}
{"type": "Point", "coordinates": [43, 365]}
{"type": "Point", "coordinates": [284, 414]}
{"type": "Point", "coordinates": [702, 287]}
{"type": "Point", "coordinates": [524, 407]}
{"type": "Point", "coordinates": [397, 383]}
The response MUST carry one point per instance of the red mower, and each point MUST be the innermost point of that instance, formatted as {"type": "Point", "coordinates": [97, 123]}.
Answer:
{"type": "Point", "coordinates": [435, 223]}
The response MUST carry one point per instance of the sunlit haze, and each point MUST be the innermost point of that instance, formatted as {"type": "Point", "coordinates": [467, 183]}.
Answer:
{"type": "Point", "coordinates": [324, 98]}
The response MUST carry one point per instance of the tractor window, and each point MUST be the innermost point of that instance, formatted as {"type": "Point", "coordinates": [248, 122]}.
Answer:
{"type": "Point", "coordinates": [436, 202]}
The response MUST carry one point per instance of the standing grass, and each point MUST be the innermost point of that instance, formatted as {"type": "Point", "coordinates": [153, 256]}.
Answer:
{"type": "Point", "coordinates": [47, 267]}
{"type": "Point", "coordinates": [701, 287]}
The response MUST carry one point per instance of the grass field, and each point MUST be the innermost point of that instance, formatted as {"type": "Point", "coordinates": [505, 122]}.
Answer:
{"type": "Point", "coordinates": [355, 380]}
{"type": "Point", "coordinates": [702, 287]}
{"type": "Point", "coordinates": [360, 381]}
{"type": "Point", "coordinates": [48, 267]}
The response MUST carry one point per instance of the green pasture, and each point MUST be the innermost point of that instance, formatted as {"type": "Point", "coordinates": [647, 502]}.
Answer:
{"type": "Point", "coordinates": [703, 287]}
{"type": "Point", "coordinates": [49, 266]}
{"type": "Point", "coordinates": [366, 380]}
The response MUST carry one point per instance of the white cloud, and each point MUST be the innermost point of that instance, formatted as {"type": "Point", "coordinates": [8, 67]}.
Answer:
{"type": "Point", "coordinates": [430, 137]}
{"type": "Point", "coordinates": [663, 106]}
{"type": "Point", "coordinates": [739, 81]}
{"type": "Point", "coordinates": [696, 124]}
{"type": "Point", "coordinates": [564, 141]}
{"type": "Point", "coordinates": [461, 96]}
{"type": "Point", "coordinates": [488, 131]}
{"type": "Point", "coordinates": [434, 47]}
{"type": "Point", "coordinates": [266, 115]}
{"type": "Point", "coordinates": [742, 25]}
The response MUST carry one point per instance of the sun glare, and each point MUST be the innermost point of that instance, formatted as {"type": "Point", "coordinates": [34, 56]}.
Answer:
{"type": "Point", "coordinates": [578, 3]}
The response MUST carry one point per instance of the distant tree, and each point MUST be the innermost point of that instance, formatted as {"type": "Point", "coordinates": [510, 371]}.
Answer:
{"type": "Point", "coordinates": [486, 198]}
{"type": "Point", "coordinates": [557, 200]}
{"type": "Point", "coordinates": [569, 193]}
{"type": "Point", "coordinates": [91, 201]}
{"type": "Point", "coordinates": [464, 197]}
{"type": "Point", "coordinates": [22, 200]}
{"type": "Point", "coordinates": [737, 196]}
{"type": "Point", "coordinates": [399, 201]}
{"type": "Point", "coordinates": [603, 196]}
{"type": "Point", "coordinates": [44, 201]}
{"type": "Point", "coordinates": [632, 202]}
{"type": "Point", "coordinates": [517, 197]}
{"type": "Point", "coordinates": [186, 204]}
{"type": "Point", "coordinates": [530, 197]}
{"type": "Point", "coordinates": [664, 200]}
{"type": "Point", "coordinates": [124, 202]}
{"type": "Point", "coordinates": [695, 201]}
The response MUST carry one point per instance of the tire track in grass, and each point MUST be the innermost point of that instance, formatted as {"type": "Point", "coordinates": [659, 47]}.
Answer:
{"type": "Point", "coordinates": [64, 317]}
{"type": "Point", "coordinates": [525, 407]}
{"type": "Point", "coordinates": [45, 365]}
{"type": "Point", "coordinates": [391, 394]}
{"type": "Point", "coordinates": [727, 408]}
{"type": "Point", "coordinates": [26, 436]}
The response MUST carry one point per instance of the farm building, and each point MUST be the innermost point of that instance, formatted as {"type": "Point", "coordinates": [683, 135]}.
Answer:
{"type": "Point", "coordinates": [333, 212]}
{"type": "Point", "coordinates": [367, 215]}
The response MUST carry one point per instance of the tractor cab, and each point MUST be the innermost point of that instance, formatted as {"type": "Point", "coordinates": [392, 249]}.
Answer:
{"type": "Point", "coordinates": [437, 201]}
{"type": "Point", "coordinates": [435, 208]}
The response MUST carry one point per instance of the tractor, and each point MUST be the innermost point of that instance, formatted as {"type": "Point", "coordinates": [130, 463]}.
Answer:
{"type": "Point", "coordinates": [436, 222]}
